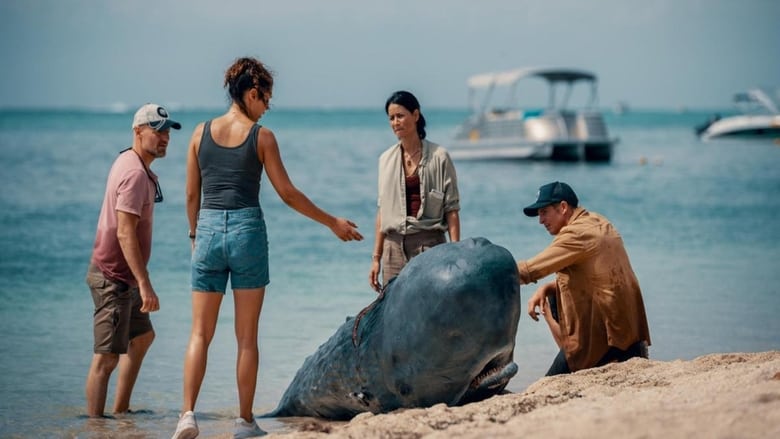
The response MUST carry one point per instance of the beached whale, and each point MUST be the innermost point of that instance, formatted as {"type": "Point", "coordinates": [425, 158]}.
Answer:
{"type": "Point", "coordinates": [443, 331]}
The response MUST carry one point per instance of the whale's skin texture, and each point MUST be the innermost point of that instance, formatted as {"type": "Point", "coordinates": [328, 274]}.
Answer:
{"type": "Point", "coordinates": [448, 318]}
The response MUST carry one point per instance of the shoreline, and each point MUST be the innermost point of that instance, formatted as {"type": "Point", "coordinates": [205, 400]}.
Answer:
{"type": "Point", "coordinates": [716, 395]}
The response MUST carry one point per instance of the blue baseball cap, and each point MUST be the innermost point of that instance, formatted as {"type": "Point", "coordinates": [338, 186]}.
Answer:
{"type": "Point", "coordinates": [552, 193]}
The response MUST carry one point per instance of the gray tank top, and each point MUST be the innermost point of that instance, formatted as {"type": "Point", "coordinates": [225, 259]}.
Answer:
{"type": "Point", "coordinates": [230, 177]}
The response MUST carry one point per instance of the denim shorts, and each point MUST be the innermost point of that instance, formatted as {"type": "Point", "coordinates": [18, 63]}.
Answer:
{"type": "Point", "coordinates": [230, 243]}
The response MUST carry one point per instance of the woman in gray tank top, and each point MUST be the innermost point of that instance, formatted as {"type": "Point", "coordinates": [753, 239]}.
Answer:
{"type": "Point", "coordinates": [225, 162]}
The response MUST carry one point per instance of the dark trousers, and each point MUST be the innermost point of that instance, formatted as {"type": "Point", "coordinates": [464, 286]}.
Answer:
{"type": "Point", "coordinates": [560, 366]}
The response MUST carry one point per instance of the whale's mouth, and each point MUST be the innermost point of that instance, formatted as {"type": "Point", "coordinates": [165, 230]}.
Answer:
{"type": "Point", "coordinates": [491, 380]}
{"type": "Point", "coordinates": [494, 375]}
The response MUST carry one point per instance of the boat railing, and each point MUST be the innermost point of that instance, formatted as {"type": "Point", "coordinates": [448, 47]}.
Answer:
{"type": "Point", "coordinates": [590, 124]}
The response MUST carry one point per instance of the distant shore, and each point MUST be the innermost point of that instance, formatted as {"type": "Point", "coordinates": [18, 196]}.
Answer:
{"type": "Point", "coordinates": [734, 395]}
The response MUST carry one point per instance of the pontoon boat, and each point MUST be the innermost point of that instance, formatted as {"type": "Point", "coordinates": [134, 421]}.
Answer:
{"type": "Point", "coordinates": [516, 132]}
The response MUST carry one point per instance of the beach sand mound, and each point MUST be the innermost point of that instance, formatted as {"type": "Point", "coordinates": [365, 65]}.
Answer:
{"type": "Point", "coordinates": [715, 396]}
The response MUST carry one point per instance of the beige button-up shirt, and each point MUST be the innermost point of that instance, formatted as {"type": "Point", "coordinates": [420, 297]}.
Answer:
{"type": "Point", "coordinates": [599, 300]}
{"type": "Point", "coordinates": [438, 190]}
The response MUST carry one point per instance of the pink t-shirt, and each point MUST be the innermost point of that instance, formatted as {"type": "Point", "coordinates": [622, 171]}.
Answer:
{"type": "Point", "coordinates": [129, 189]}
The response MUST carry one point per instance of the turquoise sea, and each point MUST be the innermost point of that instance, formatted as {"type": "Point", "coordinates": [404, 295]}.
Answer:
{"type": "Point", "coordinates": [700, 222]}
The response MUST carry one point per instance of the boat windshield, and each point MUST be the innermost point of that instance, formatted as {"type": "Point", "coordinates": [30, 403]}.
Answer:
{"type": "Point", "coordinates": [758, 101]}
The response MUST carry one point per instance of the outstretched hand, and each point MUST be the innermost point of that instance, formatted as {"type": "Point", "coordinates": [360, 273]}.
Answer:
{"type": "Point", "coordinates": [346, 230]}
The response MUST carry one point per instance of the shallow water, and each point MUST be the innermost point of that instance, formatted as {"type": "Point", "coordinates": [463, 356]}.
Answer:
{"type": "Point", "coordinates": [699, 221]}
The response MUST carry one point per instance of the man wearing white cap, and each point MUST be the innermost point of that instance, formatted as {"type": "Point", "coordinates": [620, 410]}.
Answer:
{"type": "Point", "coordinates": [117, 274]}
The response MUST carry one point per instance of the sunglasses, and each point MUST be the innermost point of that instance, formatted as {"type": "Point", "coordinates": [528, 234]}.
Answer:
{"type": "Point", "coordinates": [264, 97]}
{"type": "Point", "coordinates": [158, 195]}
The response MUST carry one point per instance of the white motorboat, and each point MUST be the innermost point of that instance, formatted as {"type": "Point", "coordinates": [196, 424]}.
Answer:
{"type": "Point", "coordinates": [515, 132]}
{"type": "Point", "coordinates": [759, 116]}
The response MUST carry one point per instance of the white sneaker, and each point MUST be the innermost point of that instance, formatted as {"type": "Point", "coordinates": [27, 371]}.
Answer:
{"type": "Point", "coordinates": [187, 427]}
{"type": "Point", "coordinates": [243, 429]}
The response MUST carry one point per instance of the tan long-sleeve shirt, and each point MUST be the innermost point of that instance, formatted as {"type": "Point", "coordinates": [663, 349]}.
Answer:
{"type": "Point", "coordinates": [599, 300]}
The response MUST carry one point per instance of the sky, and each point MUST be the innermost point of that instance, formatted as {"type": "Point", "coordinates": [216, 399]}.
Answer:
{"type": "Point", "coordinates": [654, 54]}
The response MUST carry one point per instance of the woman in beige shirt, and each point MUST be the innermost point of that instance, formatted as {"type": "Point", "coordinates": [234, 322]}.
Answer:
{"type": "Point", "coordinates": [418, 198]}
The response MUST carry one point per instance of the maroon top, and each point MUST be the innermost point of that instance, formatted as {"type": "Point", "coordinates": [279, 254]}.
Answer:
{"type": "Point", "coordinates": [412, 195]}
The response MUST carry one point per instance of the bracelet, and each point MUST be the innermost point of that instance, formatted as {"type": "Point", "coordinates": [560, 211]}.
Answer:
{"type": "Point", "coordinates": [376, 257]}
{"type": "Point", "coordinates": [192, 235]}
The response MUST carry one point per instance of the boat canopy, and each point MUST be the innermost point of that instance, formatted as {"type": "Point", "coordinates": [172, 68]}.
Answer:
{"type": "Point", "coordinates": [485, 83]}
{"type": "Point", "coordinates": [509, 77]}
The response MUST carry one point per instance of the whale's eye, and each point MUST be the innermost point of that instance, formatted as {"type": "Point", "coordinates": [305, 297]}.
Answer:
{"type": "Point", "coordinates": [404, 388]}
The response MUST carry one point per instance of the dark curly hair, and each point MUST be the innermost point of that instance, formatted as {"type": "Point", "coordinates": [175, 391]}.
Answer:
{"type": "Point", "coordinates": [245, 74]}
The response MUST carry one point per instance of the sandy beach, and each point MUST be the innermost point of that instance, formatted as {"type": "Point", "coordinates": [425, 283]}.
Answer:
{"type": "Point", "coordinates": [734, 395]}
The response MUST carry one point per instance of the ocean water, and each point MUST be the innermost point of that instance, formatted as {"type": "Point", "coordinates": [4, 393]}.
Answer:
{"type": "Point", "coordinates": [699, 220]}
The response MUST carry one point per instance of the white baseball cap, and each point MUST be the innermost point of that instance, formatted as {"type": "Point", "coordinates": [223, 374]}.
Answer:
{"type": "Point", "coordinates": [155, 116]}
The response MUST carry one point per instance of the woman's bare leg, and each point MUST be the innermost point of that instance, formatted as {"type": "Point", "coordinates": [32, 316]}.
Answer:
{"type": "Point", "coordinates": [248, 304]}
{"type": "Point", "coordinates": [205, 310]}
